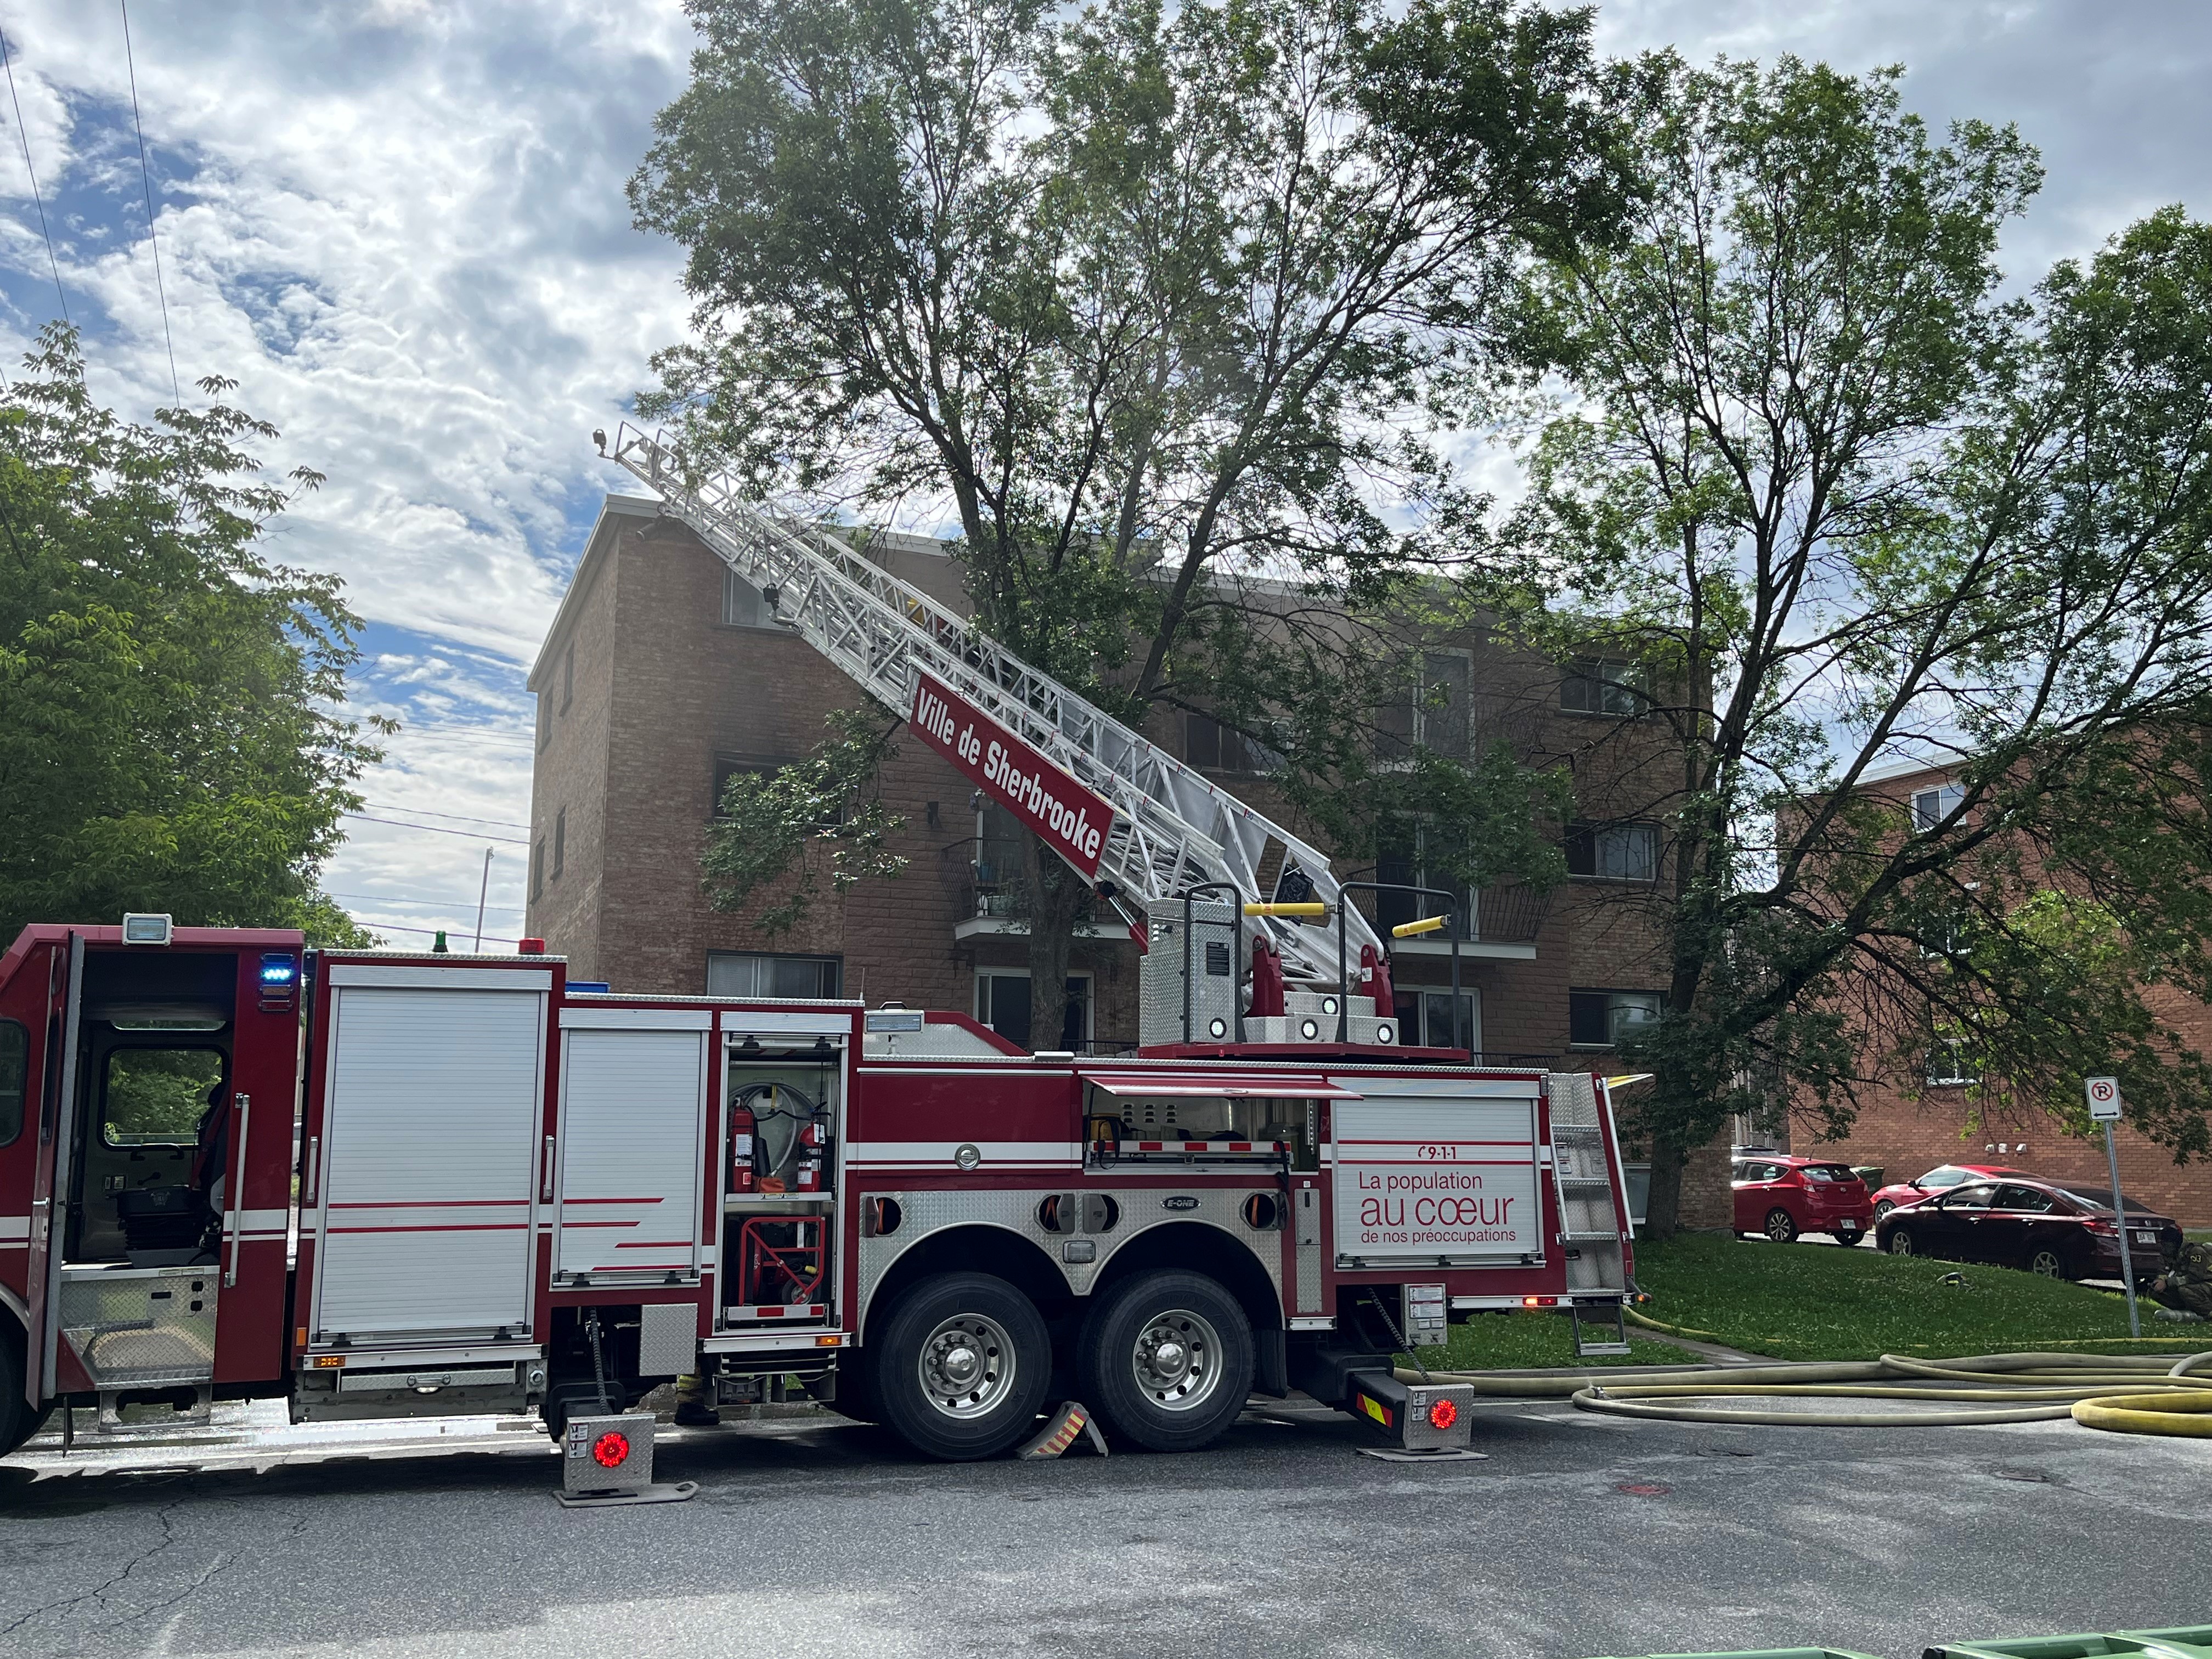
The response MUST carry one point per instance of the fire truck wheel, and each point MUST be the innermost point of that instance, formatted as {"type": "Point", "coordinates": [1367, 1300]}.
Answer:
{"type": "Point", "coordinates": [1166, 1360]}
{"type": "Point", "coordinates": [962, 1367]}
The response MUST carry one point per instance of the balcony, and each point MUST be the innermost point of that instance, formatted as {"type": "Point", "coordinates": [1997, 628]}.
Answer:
{"type": "Point", "coordinates": [991, 907]}
{"type": "Point", "coordinates": [1505, 920]}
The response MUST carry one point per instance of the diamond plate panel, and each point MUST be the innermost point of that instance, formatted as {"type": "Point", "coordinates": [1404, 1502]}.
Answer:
{"type": "Point", "coordinates": [668, 1339]}
{"type": "Point", "coordinates": [143, 1325]}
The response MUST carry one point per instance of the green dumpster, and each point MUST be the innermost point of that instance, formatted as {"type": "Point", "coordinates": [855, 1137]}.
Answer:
{"type": "Point", "coordinates": [2195, 1643]}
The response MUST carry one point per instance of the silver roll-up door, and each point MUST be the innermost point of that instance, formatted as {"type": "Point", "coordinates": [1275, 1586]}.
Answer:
{"type": "Point", "coordinates": [431, 1130]}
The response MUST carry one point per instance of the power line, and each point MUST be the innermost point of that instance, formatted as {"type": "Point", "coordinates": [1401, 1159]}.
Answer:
{"type": "Point", "coordinates": [396, 898]}
{"type": "Point", "coordinates": [425, 812]}
{"type": "Point", "coordinates": [7, 62]}
{"type": "Point", "coordinates": [437, 830]}
{"type": "Point", "coordinates": [397, 928]}
{"type": "Point", "coordinates": [146, 174]}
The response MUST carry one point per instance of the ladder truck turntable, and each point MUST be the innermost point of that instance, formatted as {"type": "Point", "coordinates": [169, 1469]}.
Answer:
{"type": "Point", "coordinates": [382, 1184]}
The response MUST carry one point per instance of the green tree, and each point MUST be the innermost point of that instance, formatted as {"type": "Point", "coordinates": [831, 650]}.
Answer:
{"type": "Point", "coordinates": [1848, 505]}
{"type": "Point", "coordinates": [1162, 306]}
{"type": "Point", "coordinates": [167, 734]}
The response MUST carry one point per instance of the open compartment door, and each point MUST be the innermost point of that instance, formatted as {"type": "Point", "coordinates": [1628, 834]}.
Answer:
{"type": "Point", "coordinates": [50, 1171]}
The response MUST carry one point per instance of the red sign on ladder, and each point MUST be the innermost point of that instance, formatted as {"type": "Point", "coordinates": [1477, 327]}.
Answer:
{"type": "Point", "coordinates": [1071, 819]}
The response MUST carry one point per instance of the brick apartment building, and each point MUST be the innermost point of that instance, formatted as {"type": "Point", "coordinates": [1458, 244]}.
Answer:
{"type": "Point", "coordinates": [663, 673]}
{"type": "Point", "coordinates": [1907, 1131]}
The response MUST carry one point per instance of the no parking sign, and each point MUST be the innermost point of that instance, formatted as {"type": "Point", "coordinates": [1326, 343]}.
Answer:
{"type": "Point", "coordinates": [2103, 1098]}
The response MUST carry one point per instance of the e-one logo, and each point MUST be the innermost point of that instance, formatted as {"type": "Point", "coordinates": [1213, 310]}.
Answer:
{"type": "Point", "coordinates": [1179, 1202]}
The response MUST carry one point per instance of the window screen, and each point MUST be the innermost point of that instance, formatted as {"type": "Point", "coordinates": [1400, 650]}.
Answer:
{"type": "Point", "coordinates": [14, 1078]}
{"type": "Point", "coordinates": [1931, 806]}
{"type": "Point", "coordinates": [746, 974]}
{"type": "Point", "coordinates": [1614, 852]}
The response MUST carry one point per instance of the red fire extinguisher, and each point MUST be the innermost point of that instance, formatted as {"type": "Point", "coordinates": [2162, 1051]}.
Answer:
{"type": "Point", "coordinates": [741, 1130]}
{"type": "Point", "coordinates": [810, 1158]}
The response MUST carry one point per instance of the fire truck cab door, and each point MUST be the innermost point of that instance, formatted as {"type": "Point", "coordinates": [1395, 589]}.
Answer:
{"type": "Point", "coordinates": [49, 1169]}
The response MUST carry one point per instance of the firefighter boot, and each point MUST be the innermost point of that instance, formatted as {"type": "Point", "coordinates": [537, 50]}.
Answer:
{"type": "Point", "coordinates": [694, 1407]}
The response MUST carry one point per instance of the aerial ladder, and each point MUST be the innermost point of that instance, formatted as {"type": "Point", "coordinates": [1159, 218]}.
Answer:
{"type": "Point", "coordinates": [1173, 830]}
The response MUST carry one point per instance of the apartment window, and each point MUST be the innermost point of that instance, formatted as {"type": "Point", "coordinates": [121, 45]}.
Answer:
{"type": "Point", "coordinates": [753, 974]}
{"type": "Point", "coordinates": [1003, 1002]}
{"type": "Point", "coordinates": [1214, 747]}
{"type": "Point", "coordinates": [544, 722]}
{"type": "Point", "coordinates": [743, 605]}
{"type": "Point", "coordinates": [1948, 1067]}
{"type": "Point", "coordinates": [1424, 1016]}
{"type": "Point", "coordinates": [1600, 685]}
{"type": "Point", "coordinates": [1420, 859]}
{"type": "Point", "coordinates": [560, 841]}
{"type": "Point", "coordinates": [1614, 852]}
{"type": "Point", "coordinates": [1434, 713]}
{"type": "Point", "coordinates": [567, 677]}
{"type": "Point", "coordinates": [1604, 1019]}
{"type": "Point", "coordinates": [1931, 806]}
{"type": "Point", "coordinates": [538, 868]}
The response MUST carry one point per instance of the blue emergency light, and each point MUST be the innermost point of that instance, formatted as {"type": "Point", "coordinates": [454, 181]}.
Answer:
{"type": "Point", "coordinates": [280, 980]}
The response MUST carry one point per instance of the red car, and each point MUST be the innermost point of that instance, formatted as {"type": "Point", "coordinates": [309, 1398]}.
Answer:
{"type": "Point", "coordinates": [1782, 1196]}
{"type": "Point", "coordinates": [1940, 1179]}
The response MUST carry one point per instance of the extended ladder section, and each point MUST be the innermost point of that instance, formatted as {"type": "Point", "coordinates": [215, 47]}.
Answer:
{"type": "Point", "coordinates": [1590, 1224]}
{"type": "Point", "coordinates": [1172, 829]}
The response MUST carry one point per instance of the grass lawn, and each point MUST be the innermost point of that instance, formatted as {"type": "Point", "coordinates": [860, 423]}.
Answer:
{"type": "Point", "coordinates": [1527, 1341]}
{"type": "Point", "coordinates": [1815, 1301]}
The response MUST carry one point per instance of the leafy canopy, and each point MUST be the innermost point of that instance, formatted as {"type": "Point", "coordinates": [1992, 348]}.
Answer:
{"type": "Point", "coordinates": [1850, 507]}
{"type": "Point", "coordinates": [168, 739]}
{"type": "Point", "coordinates": [1163, 307]}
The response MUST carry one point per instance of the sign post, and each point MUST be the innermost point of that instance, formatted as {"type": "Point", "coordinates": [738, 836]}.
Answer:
{"type": "Point", "coordinates": [2104, 1108]}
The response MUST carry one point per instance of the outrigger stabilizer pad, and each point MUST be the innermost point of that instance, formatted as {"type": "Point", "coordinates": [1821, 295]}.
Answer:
{"type": "Point", "coordinates": [607, 1463]}
{"type": "Point", "coordinates": [1071, 1423]}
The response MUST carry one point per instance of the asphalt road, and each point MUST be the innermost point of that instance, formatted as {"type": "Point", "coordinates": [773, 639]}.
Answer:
{"type": "Point", "coordinates": [1579, 1536]}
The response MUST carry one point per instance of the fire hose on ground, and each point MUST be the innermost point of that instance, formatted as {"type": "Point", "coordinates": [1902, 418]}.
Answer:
{"type": "Point", "coordinates": [2131, 1394]}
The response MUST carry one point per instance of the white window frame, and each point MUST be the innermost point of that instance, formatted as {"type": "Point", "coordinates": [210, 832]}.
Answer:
{"type": "Point", "coordinates": [817, 957]}
{"type": "Point", "coordinates": [1941, 801]}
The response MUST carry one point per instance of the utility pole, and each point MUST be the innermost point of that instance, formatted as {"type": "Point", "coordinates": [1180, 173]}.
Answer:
{"type": "Point", "coordinates": [483, 889]}
{"type": "Point", "coordinates": [2104, 1106]}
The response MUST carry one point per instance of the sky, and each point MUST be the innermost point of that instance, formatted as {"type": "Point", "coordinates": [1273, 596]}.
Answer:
{"type": "Point", "coordinates": [399, 225]}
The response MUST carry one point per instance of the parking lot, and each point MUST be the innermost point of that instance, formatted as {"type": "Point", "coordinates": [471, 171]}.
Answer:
{"type": "Point", "coordinates": [1577, 1535]}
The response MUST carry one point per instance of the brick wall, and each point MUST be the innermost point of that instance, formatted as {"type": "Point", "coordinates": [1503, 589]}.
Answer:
{"type": "Point", "coordinates": [662, 687]}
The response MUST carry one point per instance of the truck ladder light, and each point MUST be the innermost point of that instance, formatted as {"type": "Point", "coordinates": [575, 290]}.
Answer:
{"type": "Point", "coordinates": [1426, 924]}
{"type": "Point", "coordinates": [1313, 907]}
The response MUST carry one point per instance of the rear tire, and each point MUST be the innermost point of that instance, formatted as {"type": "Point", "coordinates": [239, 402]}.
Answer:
{"type": "Point", "coordinates": [1901, 1242]}
{"type": "Point", "coordinates": [1780, 1226]}
{"type": "Point", "coordinates": [1166, 1360]}
{"type": "Point", "coordinates": [2046, 1263]}
{"type": "Point", "coordinates": [962, 1368]}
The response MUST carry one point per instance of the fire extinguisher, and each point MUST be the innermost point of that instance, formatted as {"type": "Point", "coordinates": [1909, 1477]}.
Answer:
{"type": "Point", "coordinates": [809, 1172]}
{"type": "Point", "coordinates": [742, 1129]}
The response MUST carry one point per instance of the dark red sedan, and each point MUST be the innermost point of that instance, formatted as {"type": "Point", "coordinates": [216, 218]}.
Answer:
{"type": "Point", "coordinates": [2059, 1232]}
{"type": "Point", "coordinates": [1940, 1179]}
{"type": "Point", "coordinates": [1783, 1196]}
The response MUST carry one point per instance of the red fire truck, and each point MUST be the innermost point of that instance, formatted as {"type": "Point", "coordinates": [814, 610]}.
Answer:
{"type": "Point", "coordinates": [383, 1185]}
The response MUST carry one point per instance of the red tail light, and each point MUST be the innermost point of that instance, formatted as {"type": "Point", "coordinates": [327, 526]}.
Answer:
{"type": "Point", "coordinates": [612, 1450]}
{"type": "Point", "coordinates": [1442, 1413]}
{"type": "Point", "coordinates": [2099, 1225]}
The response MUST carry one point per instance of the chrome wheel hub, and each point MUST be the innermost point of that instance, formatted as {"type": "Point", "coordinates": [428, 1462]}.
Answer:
{"type": "Point", "coordinates": [1176, 1360]}
{"type": "Point", "coordinates": [967, 1365]}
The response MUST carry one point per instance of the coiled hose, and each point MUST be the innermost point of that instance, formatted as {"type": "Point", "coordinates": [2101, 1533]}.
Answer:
{"type": "Point", "coordinates": [2137, 1393]}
